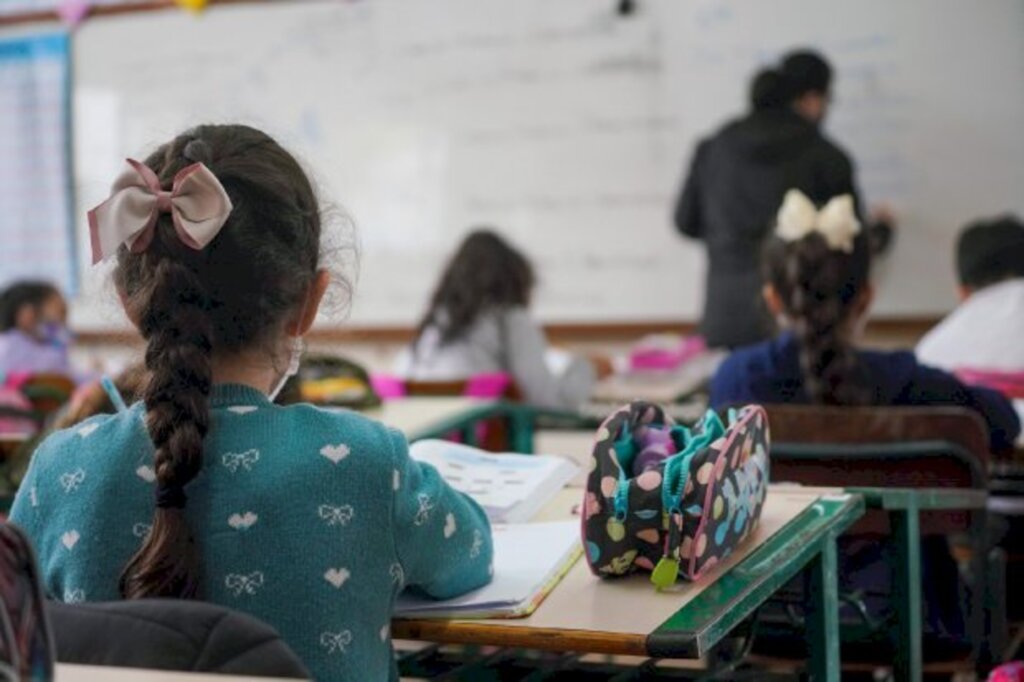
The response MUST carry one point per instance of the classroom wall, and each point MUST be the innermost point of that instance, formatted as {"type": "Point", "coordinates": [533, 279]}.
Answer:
{"type": "Point", "coordinates": [566, 125]}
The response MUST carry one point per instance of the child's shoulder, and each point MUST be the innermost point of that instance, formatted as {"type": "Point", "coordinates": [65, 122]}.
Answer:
{"type": "Point", "coordinates": [325, 422]}
{"type": "Point", "coordinates": [889, 363]}
{"type": "Point", "coordinates": [748, 358]}
{"type": "Point", "coordinates": [100, 432]}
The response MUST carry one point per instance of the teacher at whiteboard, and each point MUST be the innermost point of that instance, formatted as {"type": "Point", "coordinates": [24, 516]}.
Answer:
{"type": "Point", "coordinates": [736, 182]}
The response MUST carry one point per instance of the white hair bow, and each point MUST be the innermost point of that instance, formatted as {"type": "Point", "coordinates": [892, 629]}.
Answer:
{"type": "Point", "coordinates": [836, 222]}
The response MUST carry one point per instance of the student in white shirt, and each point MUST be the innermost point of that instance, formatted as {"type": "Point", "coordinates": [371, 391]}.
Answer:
{"type": "Point", "coordinates": [984, 334]}
{"type": "Point", "coordinates": [479, 322]}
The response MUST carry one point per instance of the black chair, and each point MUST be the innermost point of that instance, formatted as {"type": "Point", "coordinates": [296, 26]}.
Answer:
{"type": "Point", "coordinates": [170, 634]}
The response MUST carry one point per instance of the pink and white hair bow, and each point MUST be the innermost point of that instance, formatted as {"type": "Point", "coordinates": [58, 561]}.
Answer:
{"type": "Point", "coordinates": [197, 202]}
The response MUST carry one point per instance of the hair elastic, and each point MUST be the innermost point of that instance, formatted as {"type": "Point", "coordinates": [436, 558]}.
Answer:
{"type": "Point", "coordinates": [170, 496]}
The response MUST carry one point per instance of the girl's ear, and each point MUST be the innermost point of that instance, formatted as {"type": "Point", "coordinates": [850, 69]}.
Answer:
{"type": "Point", "coordinates": [773, 301]}
{"type": "Point", "coordinates": [301, 323]}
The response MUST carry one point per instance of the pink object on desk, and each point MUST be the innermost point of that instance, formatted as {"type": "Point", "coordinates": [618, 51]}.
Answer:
{"type": "Point", "coordinates": [388, 386]}
{"type": "Point", "coordinates": [656, 356]}
{"type": "Point", "coordinates": [1009, 383]}
{"type": "Point", "coordinates": [1010, 672]}
{"type": "Point", "coordinates": [488, 385]}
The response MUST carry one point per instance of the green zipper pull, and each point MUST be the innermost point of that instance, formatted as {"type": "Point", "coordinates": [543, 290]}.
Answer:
{"type": "Point", "coordinates": [666, 572]}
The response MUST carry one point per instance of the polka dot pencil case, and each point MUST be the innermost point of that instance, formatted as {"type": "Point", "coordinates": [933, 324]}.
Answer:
{"type": "Point", "coordinates": [672, 500]}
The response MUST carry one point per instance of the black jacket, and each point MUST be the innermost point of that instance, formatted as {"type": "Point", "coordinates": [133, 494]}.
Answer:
{"type": "Point", "coordinates": [736, 183]}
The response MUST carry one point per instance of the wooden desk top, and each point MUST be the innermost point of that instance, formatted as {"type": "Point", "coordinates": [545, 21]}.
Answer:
{"type": "Point", "coordinates": [627, 616]}
{"type": "Point", "coordinates": [417, 416]}
{"type": "Point", "coordinates": [660, 386]}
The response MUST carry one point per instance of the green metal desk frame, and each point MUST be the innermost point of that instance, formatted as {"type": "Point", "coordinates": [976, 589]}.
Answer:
{"type": "Point", "coordinates": [520, 418]}
{"type": "Point", "coordinates": [808, 543]}
{"type": "Point", "coordinates": [904, 507]}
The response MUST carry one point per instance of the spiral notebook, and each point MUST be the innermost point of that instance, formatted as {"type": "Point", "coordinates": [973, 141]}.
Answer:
{"type": "Point", "coordinates": [529, 560]}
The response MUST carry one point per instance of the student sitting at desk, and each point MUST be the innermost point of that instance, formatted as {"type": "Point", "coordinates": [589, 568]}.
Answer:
{"type": "Point", "coordinates": [984, 334]}
{"type": "Point", "coordinates": [313, 521]}
{"type": "Point", "coordinates": [817, 284]}
{"type": "Point", "coordinates": [33, 335]}
{"type": "Point", "coordinates": [479, 322]}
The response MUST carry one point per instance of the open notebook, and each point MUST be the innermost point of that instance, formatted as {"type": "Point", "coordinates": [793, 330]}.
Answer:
{"type": "Point", "coordinates": [529, 560]}
{"type": "Point", "coordinates": [511, 488]}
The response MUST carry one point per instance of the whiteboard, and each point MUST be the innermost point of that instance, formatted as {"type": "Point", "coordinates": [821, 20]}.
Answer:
{"type": "Point", "coordinates": [565, 125]}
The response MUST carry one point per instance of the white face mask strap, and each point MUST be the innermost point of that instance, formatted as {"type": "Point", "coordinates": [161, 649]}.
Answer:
{"type": "Point", "coordinates": [298, 348]}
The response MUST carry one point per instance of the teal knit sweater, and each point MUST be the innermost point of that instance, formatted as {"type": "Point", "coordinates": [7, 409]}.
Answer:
{"type": "Point", "coordinates": [311, 520]}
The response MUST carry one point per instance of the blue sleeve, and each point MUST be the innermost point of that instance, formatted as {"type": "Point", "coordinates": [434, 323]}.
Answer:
{"type": "Point", "coordinates": [442, 538]}
{"type": "Point", "coordinates": [930, 386]}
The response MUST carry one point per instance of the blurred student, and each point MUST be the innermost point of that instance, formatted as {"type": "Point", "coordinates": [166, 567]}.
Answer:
{"type": "Point", "coordinates": [817, 285]}
{"type": "Point", "coordinates": [737, 179]}
{"type": "Point", "coordinates": [313, 521]}
{"type": "Point", "coordinates": [479, 322]}
{"type": "Point", "coordinates": [33, 332]}
{"type": "Point", "coordinates": [985, 334]}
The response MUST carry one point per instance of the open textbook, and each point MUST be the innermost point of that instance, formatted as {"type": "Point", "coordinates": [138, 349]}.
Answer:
{"type": "Point", "coordinates": [511, 488]}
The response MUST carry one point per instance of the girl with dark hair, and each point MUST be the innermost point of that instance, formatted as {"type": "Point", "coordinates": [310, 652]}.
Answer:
{"type": "Point", "coordinates": [33, 337]}
{"type": "Point", "coordinates": [479, 322]}
{"type": "Point", "coordinates": [817, 285]}
{"type": "Point", "coordinates": [311, 520]}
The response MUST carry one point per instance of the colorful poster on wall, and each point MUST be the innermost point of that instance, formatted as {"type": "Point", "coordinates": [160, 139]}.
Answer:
{"type": "Point", "coordinates": [36, 226]}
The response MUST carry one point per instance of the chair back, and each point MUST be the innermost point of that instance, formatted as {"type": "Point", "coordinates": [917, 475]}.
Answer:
{"type": "Point", "coordinates": [171, 634]}
{"type": "Point", "coordinates": [888, 447]}
{"type": "Point", "coordinates": [497, 385]}
{"type": "Point", "coordinates": [47, 392]}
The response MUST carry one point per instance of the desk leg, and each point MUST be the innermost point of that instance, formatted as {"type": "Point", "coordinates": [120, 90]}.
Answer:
{"type": "Point", "coordinates": [521, 424]}
{"type": "Point", "coordinates": [822, 593]}
{"type": "Point", "coordinates": [468, 433]}
{"type": "Point", "coordinates": [906, 593]}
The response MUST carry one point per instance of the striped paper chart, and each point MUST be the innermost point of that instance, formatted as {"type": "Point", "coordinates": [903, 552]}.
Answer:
{"type": "Point", "coordinates": [36, 227]}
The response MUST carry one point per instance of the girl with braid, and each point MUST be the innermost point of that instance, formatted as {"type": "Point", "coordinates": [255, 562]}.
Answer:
{"type": "Point", "coordinates": [817, 284]}
{"type": "Point", "coordinates": [313, 521]}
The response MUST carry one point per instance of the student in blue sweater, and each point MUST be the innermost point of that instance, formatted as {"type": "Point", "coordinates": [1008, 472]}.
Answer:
{"type": "Point", "coordinates": [313, 521]}
{"type": "Point", "coordinates": [816, 273]}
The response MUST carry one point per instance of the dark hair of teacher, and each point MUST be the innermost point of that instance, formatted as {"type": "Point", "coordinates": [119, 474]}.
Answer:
{"type": "Point", "coordinates": [736, 182]}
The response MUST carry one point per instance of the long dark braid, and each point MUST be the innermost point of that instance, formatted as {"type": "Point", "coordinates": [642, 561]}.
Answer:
{"type": "Point", "coordinates": [231, 296]}
{"type": "Point", "coordinates": [819, 288]}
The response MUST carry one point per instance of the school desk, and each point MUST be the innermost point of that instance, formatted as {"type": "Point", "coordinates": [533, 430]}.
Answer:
{"type": "Point", "coordinates": [433, 417]}
{"type": "Point", "coordinates": [436, 417]}
{"type": "Point", "coordinates": [91, 673]}
{"type": "Point", "coordinates": [628, 617]}
{"type": "Point", "coordinates": [660, 386]}
{"type": "Point", "coordinates": [904, 507]}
